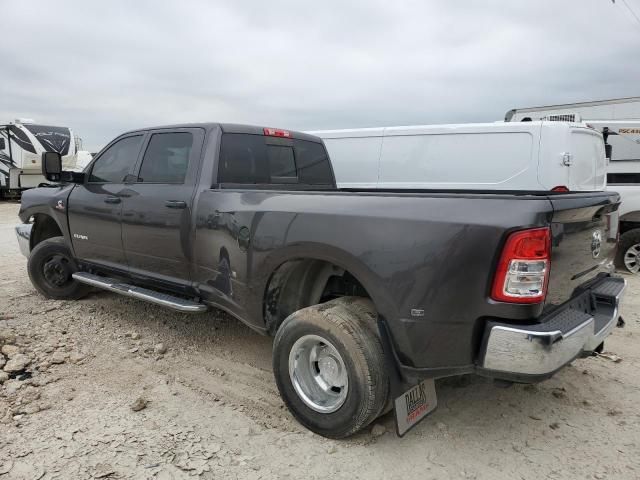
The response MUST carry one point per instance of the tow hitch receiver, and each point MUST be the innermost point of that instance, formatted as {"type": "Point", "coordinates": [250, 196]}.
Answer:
{"type": "Point", "coordinates": [414, 405]}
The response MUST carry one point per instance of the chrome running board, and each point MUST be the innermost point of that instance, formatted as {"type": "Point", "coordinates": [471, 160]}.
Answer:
{"type": "Point", "coordinates": [163, 299]}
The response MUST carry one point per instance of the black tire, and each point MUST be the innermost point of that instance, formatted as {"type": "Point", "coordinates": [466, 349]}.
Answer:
{"type": "Point", "coordinates": [50, 268]}
{"type": "Point", "coordinates": [349, 325]}
{"type": "Point", "coordinates": [627, 240]}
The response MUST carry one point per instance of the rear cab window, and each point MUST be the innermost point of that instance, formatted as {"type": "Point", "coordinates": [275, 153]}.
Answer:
{"type": "Point", "coordinates": [261, 160]}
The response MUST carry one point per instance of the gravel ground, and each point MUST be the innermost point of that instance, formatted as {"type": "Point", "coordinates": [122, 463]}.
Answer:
{"type": "Point", "coordinates": [116, 388]}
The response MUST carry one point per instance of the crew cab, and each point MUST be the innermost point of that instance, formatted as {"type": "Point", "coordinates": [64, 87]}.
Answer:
{"type": "Point", "coordinates": [370, 294]}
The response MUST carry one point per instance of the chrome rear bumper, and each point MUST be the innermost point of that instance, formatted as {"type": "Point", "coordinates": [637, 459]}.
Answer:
{"type": "Point", "coordinates": [23, 232]}
{"type": "Point", "coordinates": [543, 348]}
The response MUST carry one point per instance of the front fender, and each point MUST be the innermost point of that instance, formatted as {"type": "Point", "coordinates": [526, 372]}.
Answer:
{"type": "Point", "coordinates": [50, 201]}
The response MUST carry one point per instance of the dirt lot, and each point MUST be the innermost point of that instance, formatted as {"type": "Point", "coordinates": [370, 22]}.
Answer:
{"type": "Point", "coordinates": [213, 409]}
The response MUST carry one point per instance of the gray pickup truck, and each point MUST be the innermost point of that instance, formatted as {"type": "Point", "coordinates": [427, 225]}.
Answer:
{"type": "Point", "coordinates": [370, 295]}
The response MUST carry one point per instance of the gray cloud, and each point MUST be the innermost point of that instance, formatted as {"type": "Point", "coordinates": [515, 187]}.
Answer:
{"type": "Point", "coordinates": [105, 68]}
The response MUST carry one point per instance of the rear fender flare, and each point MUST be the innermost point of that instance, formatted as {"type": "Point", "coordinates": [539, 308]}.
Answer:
{"type": "Point", "coordinates": [342, 259]}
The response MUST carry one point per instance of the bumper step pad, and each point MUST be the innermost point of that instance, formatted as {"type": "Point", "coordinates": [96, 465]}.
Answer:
{"type": "Point", "coordinates": [609, 289]}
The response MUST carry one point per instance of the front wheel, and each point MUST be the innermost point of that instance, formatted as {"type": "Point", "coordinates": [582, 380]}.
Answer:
{"type": "Point", "coordinates": [50, 268]}
{"type": "Point", "coordinates": [329, 367]}
{"type": "Point", "coordinates": [629, 251]}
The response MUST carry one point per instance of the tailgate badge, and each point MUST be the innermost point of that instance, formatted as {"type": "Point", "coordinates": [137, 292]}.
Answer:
{"type": "Point", "coordinates": [596, 243]}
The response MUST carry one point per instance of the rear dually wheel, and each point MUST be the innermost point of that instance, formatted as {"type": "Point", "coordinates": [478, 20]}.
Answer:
{"type": "Point", "coordinates": [329, 367]}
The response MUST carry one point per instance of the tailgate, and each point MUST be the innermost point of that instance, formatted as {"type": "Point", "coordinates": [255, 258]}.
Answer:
{"type": "Point", "coordinates": [584, 230]}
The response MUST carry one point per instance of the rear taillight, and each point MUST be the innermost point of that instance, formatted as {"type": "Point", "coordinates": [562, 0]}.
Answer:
{"type": "Point", "coordinates": [276, 132]}
{"type": "Point", "coordinates": [560, 188]}
{"type": "Point", "coordinates": [523, 269]}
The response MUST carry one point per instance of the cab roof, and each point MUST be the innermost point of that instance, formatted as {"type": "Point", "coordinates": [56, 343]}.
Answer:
{"type": "Point", "coordinates": [231, 128]}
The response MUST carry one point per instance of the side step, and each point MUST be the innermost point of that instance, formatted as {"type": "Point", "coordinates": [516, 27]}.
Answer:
{"type": "Point", "coordinates": [163, 299]}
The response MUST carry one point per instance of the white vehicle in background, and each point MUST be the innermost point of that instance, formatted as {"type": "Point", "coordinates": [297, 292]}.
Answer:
{"type": "Point", "coordinates": [619, 120]}
{"type": "Point", "coordinates": [529, 156]}
{"type": "Point", "coordinates": [615, 109]}
{"type": "Point", "coordinates": [21, 146]}
{"type": "Point", "coordinates": [83, 158]}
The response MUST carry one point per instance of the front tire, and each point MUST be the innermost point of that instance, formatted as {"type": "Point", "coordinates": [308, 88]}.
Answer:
{"type": "Point", "coordinates": [50, 267]}
{"type": "Point", "coordinates": [329, 367]}
{"type": "Point", "coordinates": [629, 251]}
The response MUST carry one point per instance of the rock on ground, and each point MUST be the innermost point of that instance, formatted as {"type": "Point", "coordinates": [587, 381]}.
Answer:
{"type": "Point", "coordinates": [17, 363]}
{"type": "Point", "coordinates": [10, 350]}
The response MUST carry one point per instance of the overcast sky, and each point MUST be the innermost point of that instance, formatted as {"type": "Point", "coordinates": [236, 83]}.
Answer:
{"type": "Point", "coordinates": [103, 68]}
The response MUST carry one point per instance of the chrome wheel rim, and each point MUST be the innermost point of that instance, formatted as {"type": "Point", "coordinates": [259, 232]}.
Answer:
{"type": "Point", "coordinates": [318, 374]}
{"type": "Point", "coordinates": [632, 258]}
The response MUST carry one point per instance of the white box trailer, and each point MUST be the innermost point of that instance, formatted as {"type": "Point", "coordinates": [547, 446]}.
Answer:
{"type": "Point", "coordinates": [627, 108]}
{"type": "Point", "coordinates": [526, 156]}
{"type": "Point", "coordinates": [619, 120]}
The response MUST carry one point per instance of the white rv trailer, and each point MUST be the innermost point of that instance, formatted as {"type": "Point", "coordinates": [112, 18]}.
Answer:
{"type": "Point", "coordinates": [619, 120]}
{"type": "Point", "coordinates": [21, 146]}
{"type": "Point", "coordinates": [528, 156]}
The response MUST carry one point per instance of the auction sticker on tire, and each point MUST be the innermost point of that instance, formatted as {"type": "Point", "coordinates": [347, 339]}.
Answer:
{"type": "Point", "coordinates": [415, 404]}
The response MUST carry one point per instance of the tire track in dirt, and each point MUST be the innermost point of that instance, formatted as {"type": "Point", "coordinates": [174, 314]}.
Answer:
{"type": "Point", "coordinates": [249, 390]}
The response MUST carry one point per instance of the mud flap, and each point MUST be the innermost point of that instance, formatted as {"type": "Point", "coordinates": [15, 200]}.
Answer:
{"type": "Point", "coordinates": [411, 403]}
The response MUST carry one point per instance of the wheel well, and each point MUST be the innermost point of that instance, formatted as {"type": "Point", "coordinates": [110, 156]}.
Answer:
{"type": "Point", "coordinates": [625, 226]}
{"type": "Point", "coordinates": [44, 227]}
{"type": "Point", "coordinates": [301, 283]}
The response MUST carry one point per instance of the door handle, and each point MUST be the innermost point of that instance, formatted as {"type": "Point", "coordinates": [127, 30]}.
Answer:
{"type": "Point", "coordinates": [175, 204]}
{"type": "Point", "coordinates": [112, 199]}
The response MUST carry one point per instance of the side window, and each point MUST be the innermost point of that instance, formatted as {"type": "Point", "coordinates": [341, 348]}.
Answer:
{"type": "Point", "coordinates": [242, 159]}
{"type": "Point", "coordinates": [256, 159]}
{"type": "Point", "coordinates": [167, 158]}
{"type": "Point", "coordinates": [114, 164]}
{"type": "Point", "coordinates": [623, 178]}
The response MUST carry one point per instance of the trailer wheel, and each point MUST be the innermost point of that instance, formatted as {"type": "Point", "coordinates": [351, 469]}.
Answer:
{"type": "Point", "coordinates": [329, 367]}
{"type": "Point", "coordinates": [629, 251]}
{"type": "Point", "coordinates": [50, 268]}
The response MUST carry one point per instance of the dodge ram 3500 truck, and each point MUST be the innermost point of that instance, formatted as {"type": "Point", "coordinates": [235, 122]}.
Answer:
{"type": "Point", "coordinates": [370, 294]}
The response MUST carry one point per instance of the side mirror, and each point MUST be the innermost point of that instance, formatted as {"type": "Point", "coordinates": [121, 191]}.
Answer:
{"type": "Point", "coordinates": [52, 166]}
{"type": "Point", "coordinates": [608, 150]}
{"type": "Point", "coordinates": [2, 145]}
{"type": "Point", "coordinates": [52, 170]}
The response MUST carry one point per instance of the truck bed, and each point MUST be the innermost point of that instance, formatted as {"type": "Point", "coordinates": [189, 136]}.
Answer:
{"type": "Point", "coordinates": [433, 252]}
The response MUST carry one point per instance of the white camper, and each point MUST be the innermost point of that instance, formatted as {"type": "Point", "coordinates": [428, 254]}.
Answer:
{"type": "Point", "coordinates": [528, 156]}
{"type": "Point", "coordinates": [619, 120]}
{"type": "Point", "coordinates": [21, 146]}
